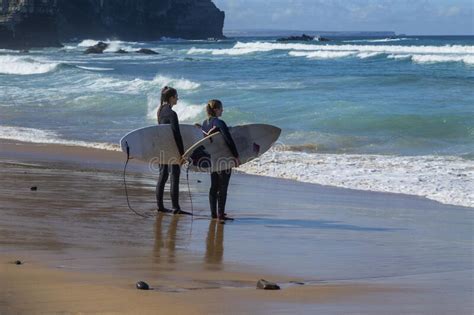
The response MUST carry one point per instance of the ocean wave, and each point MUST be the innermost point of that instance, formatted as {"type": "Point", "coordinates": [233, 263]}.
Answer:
{"type": "Point", "coordinates": [447, 49]}
{"type": "Point", "coordinates": [382, 40]}
{"type": "Point", "coordinates": [321, 54]}
{"type": "Point", "coordinates": [427, 59]}
{"type": "Point", "coordinates": [333, 54]}
{"type": "Point", "coordinates": [446, 179]}
{"type": "Point", "coordinates": [95, 68]}
{"type": "Point", "coordinates": [228, 51]}
{"type": "Point", "coordinates": [398, 57]}
{"type": "Point", "coordinates": [365, 55]}
{"type": "Point", "coordinates": [25, 65]}
{"type": "Point", "coordinates": [467, 59]}
{"type": "Point", "coordinates": [33, 135]}
{"type": "Point", "coordinates": [114, 45]}
{"type": "Point", "coordinates": [186, 112]}
{"type": "Point", "coordinates": [419, 54]}
{"type": "Point", "coordinates": [138, 86]}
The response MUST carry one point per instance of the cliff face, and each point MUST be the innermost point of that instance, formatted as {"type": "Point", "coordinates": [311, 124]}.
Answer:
{"type": "Point", "coordinates": [30, 23]}
{"type": "Point", "coordinates": [27, 23]}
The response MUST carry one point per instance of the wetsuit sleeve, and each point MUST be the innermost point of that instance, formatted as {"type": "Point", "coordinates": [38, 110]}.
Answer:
{"type": "Point", "coordinates": [176, 132]}
{"type": "Point", "coordinates": [227, 137]}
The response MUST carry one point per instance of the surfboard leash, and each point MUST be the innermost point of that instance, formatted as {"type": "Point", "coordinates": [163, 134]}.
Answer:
{"type": "Point", "coordinates": [189, 191]}
{"type": "Point", "coordinates": [125, 184]}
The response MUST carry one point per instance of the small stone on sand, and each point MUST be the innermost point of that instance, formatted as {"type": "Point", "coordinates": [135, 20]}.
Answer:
{"type": "Point", "coordinates": [142, 285]}
{"type": "Point", "coordinates": [266, 285]}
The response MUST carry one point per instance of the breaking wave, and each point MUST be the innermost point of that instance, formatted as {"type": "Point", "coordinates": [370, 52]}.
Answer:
{"type": "Point", "coordinates": [47, 136]}
{"type": "Point", "coordinates": [321, 54]}
{"type": "Point", "coordinates": [186, 112]}
{"type": "Point", "coordinates": [418, 54]}
{"type": "Point", "coordinates": [138, 86]}
{"type": "Point", "coordinates": [383, 40]}
{"type": "Point", "coordinates": [25, 66]}
{"type": "Point", "coordinates": [446, 179]}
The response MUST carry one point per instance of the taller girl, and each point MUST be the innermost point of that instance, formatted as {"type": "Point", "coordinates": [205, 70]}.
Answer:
{"type": "Point", "coordinates": [166, 115]}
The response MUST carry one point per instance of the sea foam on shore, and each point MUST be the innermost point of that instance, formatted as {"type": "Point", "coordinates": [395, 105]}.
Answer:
{"type": "Point", "coordinates": [447, 179]}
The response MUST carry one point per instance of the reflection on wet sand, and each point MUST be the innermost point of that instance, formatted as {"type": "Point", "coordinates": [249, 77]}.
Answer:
{"type": "Point", "coordinates": [168, 242]}
{"type": "Point", "coordinates": [170, 234]}
{"type": "Point", "coordinates": [215, 245]}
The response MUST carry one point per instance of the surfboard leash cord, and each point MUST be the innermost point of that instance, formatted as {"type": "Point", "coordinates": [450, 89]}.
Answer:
{"type": "Point", "coordinates": [189, 191]}
{"type": "Point", "coordinates": [126, 190]}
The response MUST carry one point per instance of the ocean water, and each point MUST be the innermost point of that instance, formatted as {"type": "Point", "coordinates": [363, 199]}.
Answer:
{"type": "Point", "coordinates": [382, 114]}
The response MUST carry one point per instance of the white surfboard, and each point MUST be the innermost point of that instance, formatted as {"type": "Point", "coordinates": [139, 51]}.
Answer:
{"type": "Point", "coordinates": [212, 153]}
{"type": "Point", "coordinates": [157, 144]}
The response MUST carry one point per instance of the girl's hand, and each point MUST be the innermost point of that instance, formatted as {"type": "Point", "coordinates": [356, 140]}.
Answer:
{"type": "Point", "coordinates": [237, 162]}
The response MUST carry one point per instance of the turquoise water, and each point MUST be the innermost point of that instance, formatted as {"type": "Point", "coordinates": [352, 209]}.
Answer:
{"type": "Point", "coordinates": [408, 96]}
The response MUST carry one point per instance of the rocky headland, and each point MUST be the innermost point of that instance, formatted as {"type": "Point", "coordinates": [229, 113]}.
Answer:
{"type": "Point", "coordinates": [45, 23]}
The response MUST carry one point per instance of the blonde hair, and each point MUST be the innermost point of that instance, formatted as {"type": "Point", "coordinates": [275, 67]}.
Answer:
{"type": "Point", "coordinates": [212, 106]}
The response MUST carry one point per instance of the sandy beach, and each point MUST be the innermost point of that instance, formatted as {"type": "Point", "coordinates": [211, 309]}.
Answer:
{"type": "Point", "coordinates": [332, 250]}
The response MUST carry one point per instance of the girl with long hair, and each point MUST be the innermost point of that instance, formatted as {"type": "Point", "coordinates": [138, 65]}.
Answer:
{"type": "Point", "coordinates": [166, 115]}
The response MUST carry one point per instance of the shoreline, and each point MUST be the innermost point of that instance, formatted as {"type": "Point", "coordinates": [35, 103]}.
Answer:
{"type": "Point", "coordinates": [266, 166]}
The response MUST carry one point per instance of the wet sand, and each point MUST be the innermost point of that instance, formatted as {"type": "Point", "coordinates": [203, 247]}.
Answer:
{"type": "Point", "coordinates": [83, 250]}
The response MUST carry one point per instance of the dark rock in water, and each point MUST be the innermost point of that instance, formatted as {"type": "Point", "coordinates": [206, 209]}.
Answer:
{"type": "Point", "coordinates": [147, 51]}
{"type": "Point", "coordinates": [199, 181]}
{"type": "Point", "coordinates": [323, 39]}
{"type": "Point", "coordinates": [34, 188]}
{"type": "Point", "coordinates": [303, 37]}
{"type": "Point", "coordinates": [266, 285]}
{"type": "Point", "coordinates": [142, 285]}
{"type": "Point", "coordinates": [18, 262]}
{"type": "Point", "coordinates": [121, 51]}
{"type": "Point", "coordinates": [97, 48]}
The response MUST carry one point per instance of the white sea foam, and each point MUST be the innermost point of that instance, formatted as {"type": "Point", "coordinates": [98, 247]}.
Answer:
{"type": "Point", "coordinates": [137, 86]}
{"type": "Point", "coordinates": [88, 43]}
{"type": "Point", "coordinates": [430, 58]}
{"type": "Point", "coordinates": [383, 40]}
{"type": "Point", "coordinates": [392, 56]}
{"type": "Point", "coordinates": [180, 84]}
{"type": "Point", "coordinates": [25, 65]}
{"type": "Point", "coordinates": [95, 68]}
{"type": "Point", "coordinates": [448, 180]}
{"type": "Point", "coordinates": [447, 49]}
{"type": "Point", "coordinates": [228, 51]}
{"type": "Point", "coordinates": [186, 112]}
{"type": "Point", "coordinates": [365, 55]}
{"type": "Point", "coordinates": [321, 54]}
{"type": "Point", "coordinates": [47, 136]}
{"type": "Point", "coordinates": [114, 45]}
{"type": "Point", "coordinates": [468, 59]}
{"type": "Point", "coordinates": [419, 54]}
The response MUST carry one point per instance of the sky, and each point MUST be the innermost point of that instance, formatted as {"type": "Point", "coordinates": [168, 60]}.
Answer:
{"type": "Point", "coordinates": [412, 17]}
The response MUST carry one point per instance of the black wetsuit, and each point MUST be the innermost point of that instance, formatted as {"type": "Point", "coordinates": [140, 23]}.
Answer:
{"type": "Point", "coordinates": [219, 180]}
{"type": "Point", "coordinates": [168, 116]}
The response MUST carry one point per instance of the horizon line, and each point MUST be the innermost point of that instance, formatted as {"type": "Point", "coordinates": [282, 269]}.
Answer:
{"type": "Point", "coordinates": [328, 31]}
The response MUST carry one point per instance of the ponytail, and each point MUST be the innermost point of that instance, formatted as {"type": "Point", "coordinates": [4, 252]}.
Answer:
{"type": "Point", "coordinates": [166, 93]}
{"type": "Point", "coordinates": [211, 108]}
